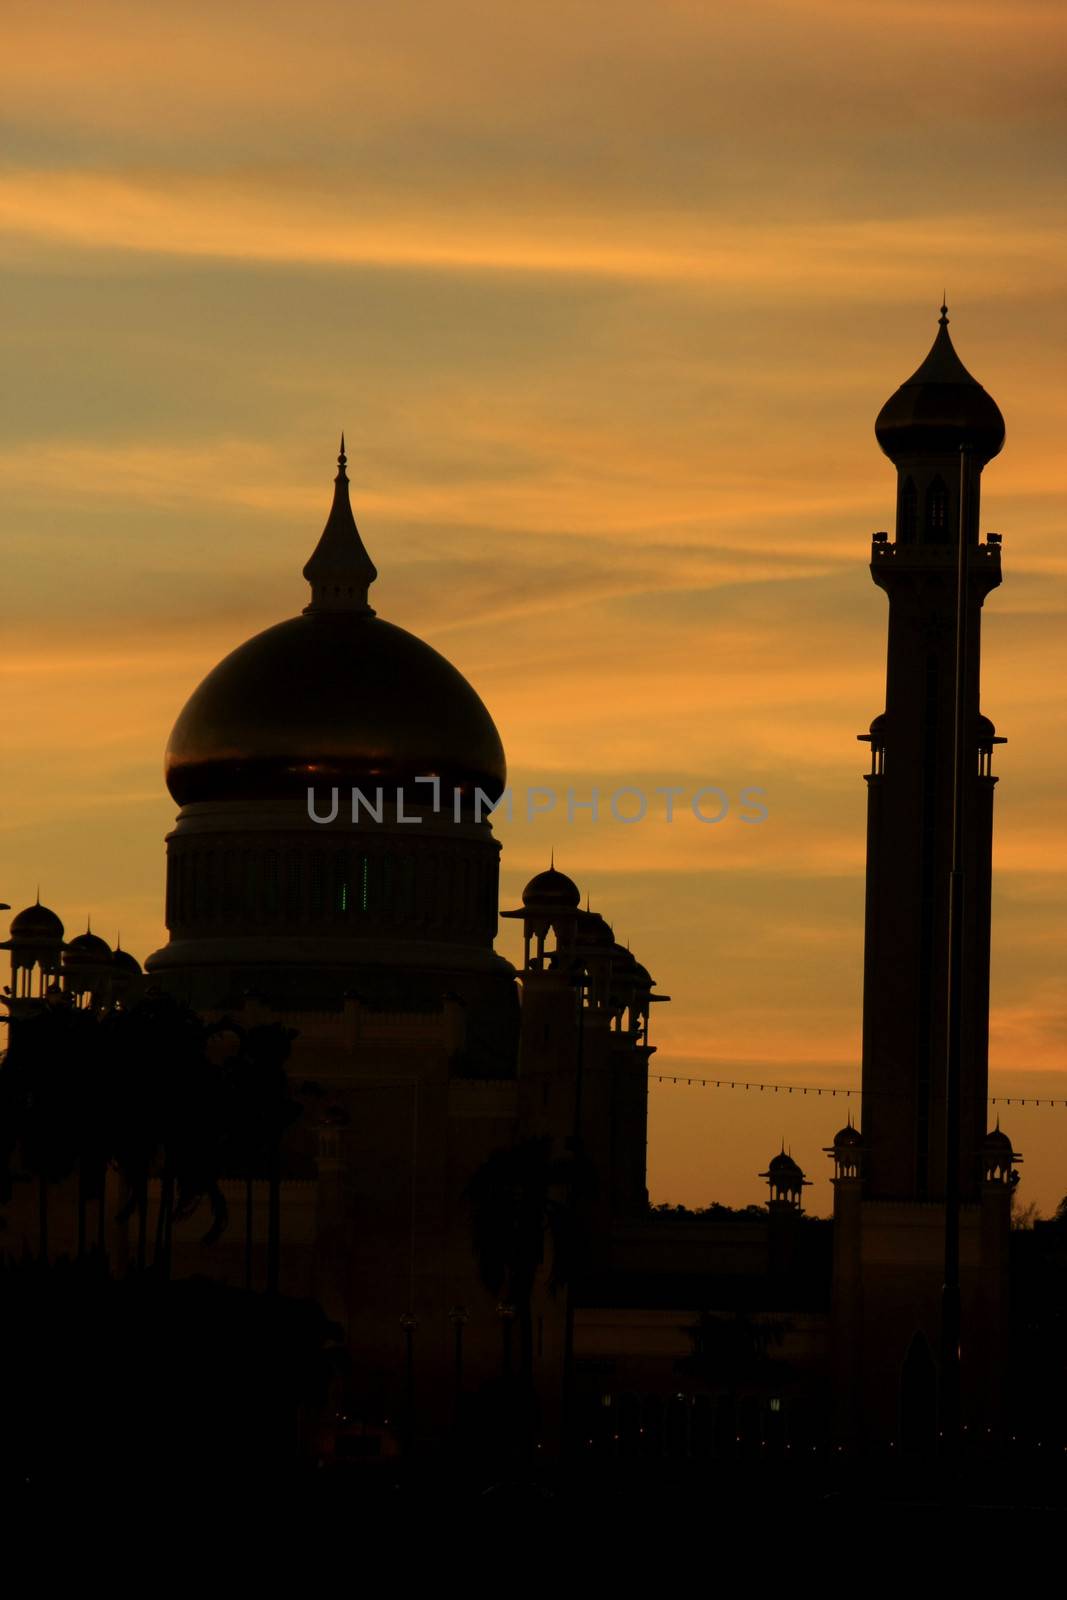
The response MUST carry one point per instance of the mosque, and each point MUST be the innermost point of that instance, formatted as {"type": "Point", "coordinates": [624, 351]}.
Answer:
{"type": "Point", "coordinates": [371, 937]}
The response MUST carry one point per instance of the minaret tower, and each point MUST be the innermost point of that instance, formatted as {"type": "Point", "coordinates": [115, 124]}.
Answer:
{"type": "Point", "coordinates": [939, 429]}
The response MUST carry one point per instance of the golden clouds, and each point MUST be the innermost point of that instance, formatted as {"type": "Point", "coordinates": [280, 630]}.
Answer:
{"type": "Point", "coordinates": [281, 216]}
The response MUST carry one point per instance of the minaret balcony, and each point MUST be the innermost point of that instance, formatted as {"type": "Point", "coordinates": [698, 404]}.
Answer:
{"type": "Point", "coordinates": [886, 553]}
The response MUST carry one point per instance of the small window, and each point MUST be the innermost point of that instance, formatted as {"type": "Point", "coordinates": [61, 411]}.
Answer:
{"type": "Point", "coordinates": [909, 513]}
{"type": "Point", "coordinates": [937, 512]}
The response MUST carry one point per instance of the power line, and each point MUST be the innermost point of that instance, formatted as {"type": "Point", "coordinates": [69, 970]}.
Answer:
{"type": "Point", "coordinates": [835, 1093]}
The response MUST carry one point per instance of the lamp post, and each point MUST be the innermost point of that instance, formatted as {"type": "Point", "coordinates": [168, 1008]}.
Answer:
{"type": "Point", "coordinates": [950, 1292]}
{"type": "Point", "coordinates": [409, 1322]}
{"type": "Point", "coordinates": [459, 1316]}
{"type": "Point", "coordinates": [580, 982]}
{"type": "Point", "coordinates": [506, 1312]}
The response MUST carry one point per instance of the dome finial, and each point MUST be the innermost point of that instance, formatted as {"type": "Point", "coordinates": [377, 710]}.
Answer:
{"type": "Point", "coordinates": [340, 571]}
{"type": "Point", "coordinates": [942, 320]}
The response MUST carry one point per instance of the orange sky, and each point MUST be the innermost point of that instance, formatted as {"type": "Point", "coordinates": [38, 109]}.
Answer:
{"type": "Point", "coordinates": [606, 299]}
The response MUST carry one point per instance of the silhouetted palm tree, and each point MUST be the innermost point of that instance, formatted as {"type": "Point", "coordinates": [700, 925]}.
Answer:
{"type": "Point", "coordinates": [521, 1198]}
{"type": "Point", "coordinates": [262, 1109]}
{"type": "Point", "coordinates": [43, 1103]}
{"type": "Point", "coordinates": [169, 1115]}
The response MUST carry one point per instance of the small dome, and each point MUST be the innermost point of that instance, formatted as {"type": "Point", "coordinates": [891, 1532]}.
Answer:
{"type": "Point", "coordinates": [996, 1140]}
{"type": "Point", "coordinates": [593, 930]}
{"type": "Point", "coordinates": [986, 731]}
{"type": "Point", "coordinates": [88, 947]}
{"type": "Point", "coordinates": [783, 1164]}
{"type": "Point", "coordinates": [552, 889]}
{"type": "Point", "coordinates": [940, 410]}
{"type": "Point", "coordinates": [123, 960]}
{"type": "Point", "coordinates": [36, 922]}
{"type": "Point", "coordinates": [847, 1136]}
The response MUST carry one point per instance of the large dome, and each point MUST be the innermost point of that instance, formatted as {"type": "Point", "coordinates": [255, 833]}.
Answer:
{"type": "Point", "coordinates": [334, 696]}
{"type": "Point", "coordinates": [940, 410]}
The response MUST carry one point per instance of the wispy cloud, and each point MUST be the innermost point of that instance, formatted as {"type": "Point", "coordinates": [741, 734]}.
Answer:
{"type": "Point", "coordinates": [276, 219]}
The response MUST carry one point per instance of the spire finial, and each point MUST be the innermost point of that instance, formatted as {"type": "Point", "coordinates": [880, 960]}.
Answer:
{"type": "Point", "coordinates": [942, 320]}
{"type": "Point", "coordinates": [340, 571]}
{"type": "Point", "coordinates": [552, 859]}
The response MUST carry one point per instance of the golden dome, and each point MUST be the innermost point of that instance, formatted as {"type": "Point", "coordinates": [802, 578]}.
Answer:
{"type": "Point", "coordinates": [334, 696]}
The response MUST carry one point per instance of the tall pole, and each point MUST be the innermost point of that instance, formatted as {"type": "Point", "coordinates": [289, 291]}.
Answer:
{"type": "Point", "coordinates": [950, 1291]}
{"type": "Point", "coordinates": [458, 1316]}
{"type": "Point", "coordinates": [567, 1440]}
{"type": "Point", "coordinates": [409, 1322]}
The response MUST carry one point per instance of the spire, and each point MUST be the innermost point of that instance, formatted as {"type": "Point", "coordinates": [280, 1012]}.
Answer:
{"type": "Point", "coordinates": [942, 322]}
{"type": "Point", "coordinates": [340, 571]}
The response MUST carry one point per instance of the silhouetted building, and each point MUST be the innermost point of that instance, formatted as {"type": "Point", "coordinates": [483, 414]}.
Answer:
{"type": "Point", "coordinates": [333, 869]}
{"type": "Point", "coordinates": [939, 429]}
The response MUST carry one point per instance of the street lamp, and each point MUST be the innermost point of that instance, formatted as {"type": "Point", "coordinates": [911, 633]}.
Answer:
{"type": "Point", "coordinates": [459, 1316]}
{"type": "Point", "coordinates": [409, 1322]}
{"type": "Point", "coordinates": [582, 984]}
{"type": "Point", "coordinates": [949, 1397]}
{"type": "Point", "coordinates": [506, 1312]}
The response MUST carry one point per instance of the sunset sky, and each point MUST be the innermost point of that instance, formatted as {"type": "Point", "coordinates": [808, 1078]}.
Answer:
{"type": "Point", "coordinates": [606, 298]}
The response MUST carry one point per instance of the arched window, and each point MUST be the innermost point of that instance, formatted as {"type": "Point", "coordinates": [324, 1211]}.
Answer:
{"type": "Point", "coordinates": [342, 894]}
{"type": "Point", "coordinates": [907, 520]}
{"type": "Point", "coordinates": [937, 512]}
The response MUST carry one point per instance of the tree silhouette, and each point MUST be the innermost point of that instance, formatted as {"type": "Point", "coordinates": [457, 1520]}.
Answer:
{"type": "Point", "coordinates": [46, 1105]}
{"type": "Point", "coordinates": [521, 1198]}
{"type": "Point", "coordinates": [261, 1109]}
